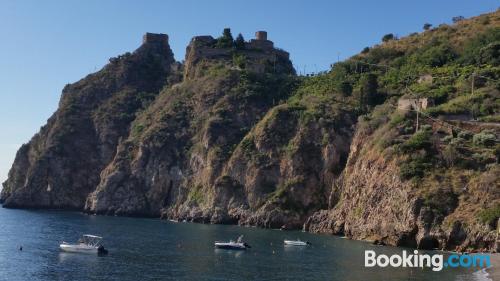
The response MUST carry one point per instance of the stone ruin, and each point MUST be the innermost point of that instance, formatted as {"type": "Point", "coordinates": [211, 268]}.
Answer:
{"type": "Point", "coordinates": [149, 38]}
{"type": "Point", "coordinates": [257, 51]}
{"type": "Point", "coordinates": [407, 104]}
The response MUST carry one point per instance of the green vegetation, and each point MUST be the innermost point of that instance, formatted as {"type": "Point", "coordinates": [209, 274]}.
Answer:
{"type": "Point", "coordinates": [388, 37]}
{"type": "Point", "coordinates": [442, 201]}
{"type": "Point", "coordinates": [226, 40]}
{"type": "Point", "coordinates": [196, 195]}
{"type": "Point", "coordinates": [368, 90]}
{"type": "Point", "coordinates": [239, 60]}
{"type": "Point", "coordinates": [239, 43]}
{"type": "Point", "coordinates": [490, 215]}
{"type": "Point", "coordinates": [248, 146]}
{"type": "Point", "coordinates": [459, 73]}
{"type": "Point", "coordinates": [415, 167]}
{"type": "Point", "coordinates": [286, 200]}
{"type": "Point", "coordinates": [457, 19]}
{"type": "Point", "coordinates": [419, 140]}
{"type": "Point", "coordinates": [485, 138]}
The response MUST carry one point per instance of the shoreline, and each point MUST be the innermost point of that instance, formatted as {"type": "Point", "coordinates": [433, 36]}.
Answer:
{"type": "Point", "coordinates": [495, 262]}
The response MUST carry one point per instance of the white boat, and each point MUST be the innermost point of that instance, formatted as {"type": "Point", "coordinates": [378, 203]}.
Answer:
{"type": "Point", "coordinates": [89, 244]}
{"type": "Point", "coordinates": [296, 243]}
{"type": "Point", "coordinates": [232, 245]}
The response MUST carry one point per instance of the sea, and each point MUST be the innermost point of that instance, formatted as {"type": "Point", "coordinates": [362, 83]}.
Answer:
{"type": "Point", "coordinates": [154, 249]}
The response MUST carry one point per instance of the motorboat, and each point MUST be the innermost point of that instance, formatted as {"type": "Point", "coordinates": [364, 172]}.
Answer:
{"type": "Point", "coordinates": [88, 244]}
{"type": "Point", "coordinates": [232, 245]}
{"type": "Point", "coordinates": [297, 242]}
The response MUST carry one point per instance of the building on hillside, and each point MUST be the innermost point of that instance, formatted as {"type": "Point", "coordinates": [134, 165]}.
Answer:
{"type": "Point", "coordinates": [407, 104]}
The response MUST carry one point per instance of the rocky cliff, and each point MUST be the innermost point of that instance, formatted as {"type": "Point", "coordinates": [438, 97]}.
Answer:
{"type": "Point", "coordinates": [375, 149]}
{"type": "Point", "coordinates": [62, 163]}
{"type": "Point", "coordinates": [440, 209]}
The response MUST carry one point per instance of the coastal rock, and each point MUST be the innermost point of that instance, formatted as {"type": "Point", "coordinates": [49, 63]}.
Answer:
{"type": "Point", "coordinates": [62, 163]}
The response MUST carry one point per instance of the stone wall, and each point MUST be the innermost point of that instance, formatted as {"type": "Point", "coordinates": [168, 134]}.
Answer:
{"type": "Point", "coordinates": [406, 104]}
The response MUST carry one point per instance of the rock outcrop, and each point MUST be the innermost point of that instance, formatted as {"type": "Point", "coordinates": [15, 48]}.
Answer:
{"type": "Point", "coordinates": [62, 163]}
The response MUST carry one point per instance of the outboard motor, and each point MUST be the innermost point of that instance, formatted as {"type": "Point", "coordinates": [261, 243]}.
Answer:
{"type": "Point", "coordinates": [101, 251]}
{"type": "Point", "coordinates": [246, 245]}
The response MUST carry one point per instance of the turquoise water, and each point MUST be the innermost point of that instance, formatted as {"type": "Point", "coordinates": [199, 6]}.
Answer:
{"type": "Point", "coordinates": [152, 249]}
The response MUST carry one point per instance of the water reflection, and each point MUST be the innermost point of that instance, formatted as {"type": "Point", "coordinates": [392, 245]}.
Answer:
{"type": "Point", "coordinates": [232, 253]}
{"type": "Point", "coordinates": [291, 248]}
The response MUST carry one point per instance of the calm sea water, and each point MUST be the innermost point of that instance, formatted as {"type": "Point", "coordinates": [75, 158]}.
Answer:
{"type": "Point", "coordinates": [152, 249]}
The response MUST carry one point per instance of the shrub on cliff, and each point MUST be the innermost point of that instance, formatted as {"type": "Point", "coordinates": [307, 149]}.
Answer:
{"type": "Point", "coordinates": [442, 201]}
{"type": "Point", "coordinates": [485, 138]}
{"type": "Point", "coordinates": [239, 43]}
{"type": "Point", "coordinates": [345, 88]}
{"type": "Point", "coordinates": [437, 56]}
{"type": "Point", "coordinates": [419, 140]}
{"type": "Point", "coordinates": [482, 48]}
{"type": "Point", "coordinates": [239, 60]}
{"type": "Point", "coordinates": [457, 19]}
{"type": "Point", "coordinates": [490, 216]}
{"type": "Point", "coordinates": [388, 37]}
{"type": "Point", "coordinates": [226, 40]}
{"type": "Point", "coordinates": [414, 168]}
{"type": "Point", "coordinates": [368, 90]}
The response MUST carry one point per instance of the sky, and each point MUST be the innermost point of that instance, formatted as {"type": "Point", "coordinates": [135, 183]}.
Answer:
{"type": "Point", "coordinates": [47, 44]}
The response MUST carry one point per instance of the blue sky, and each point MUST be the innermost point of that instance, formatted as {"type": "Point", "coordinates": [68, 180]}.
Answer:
{"type": "Point", "coordinates": [47, 44]}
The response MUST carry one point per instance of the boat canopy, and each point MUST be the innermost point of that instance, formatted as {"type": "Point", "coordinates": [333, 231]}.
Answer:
{"type": "Point", "coordinates": [92, 236]}
{"type": "Point", "coordinates": [91, 240]}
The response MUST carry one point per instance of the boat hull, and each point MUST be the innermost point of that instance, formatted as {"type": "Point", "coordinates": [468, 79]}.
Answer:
{"type": "Point", "coordinates": [72, 248]}
{"type": "Point", "coordinates": [231, 246]}
{"type": "Point", "coordinates": [295, 243]}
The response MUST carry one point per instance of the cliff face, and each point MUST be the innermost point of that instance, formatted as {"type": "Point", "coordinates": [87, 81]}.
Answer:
{"type": "Point", "coordinates": [232, 135]}
{"type": "Point", "coordinates": [62, 163]}
{"type": "Point", "coordinates": [372, 201]}
{"type": "Point", "coordinates": [175, 161]}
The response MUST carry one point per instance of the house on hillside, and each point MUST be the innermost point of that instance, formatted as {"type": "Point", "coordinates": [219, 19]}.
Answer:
{"type": "Point", "coordinates": [407, 103]}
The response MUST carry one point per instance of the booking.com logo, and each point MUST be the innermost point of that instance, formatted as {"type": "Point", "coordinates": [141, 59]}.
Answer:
{"type": "Point", "coordinates": [436, 261]}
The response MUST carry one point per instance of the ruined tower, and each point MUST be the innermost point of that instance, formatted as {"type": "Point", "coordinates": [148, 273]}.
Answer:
{"type": "Point", "coordinates": [261, 42]}
{"type": "Point", "coordinates": [261, 35]}
{"type": "Point", "coordinates": [154, 38]}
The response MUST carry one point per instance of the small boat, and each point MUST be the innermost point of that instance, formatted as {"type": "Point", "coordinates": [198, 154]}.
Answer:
{"type": "Point", "coordinates": [232, 245]}
{"type": "Point", "coordinates": [88, 244]}
{"type": "Point", "coordinates": [296, 243]}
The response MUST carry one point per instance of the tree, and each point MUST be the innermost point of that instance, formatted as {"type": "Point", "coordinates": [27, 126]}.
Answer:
{"type": "Point", "coordinates": [490, 54]}
{"type": "Point", "coordinates": [365, 50]}
{"type": "Point", "coordinates": [345, 88]}
{"type": "Point", "coordinates": [427, 26]}
{"type": "Point", "coordinates": [388, 37]}
{"type": "Point", "coordinates": [457, 19]}
{"type": "Point", "coordinates": [368, 90]}
{"type": "Point", "coordinates": [226, 40]}
{"type": "Point", "coordinates": [239, 43]}
{"type": "Point", "coordinates": [437, 56]}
